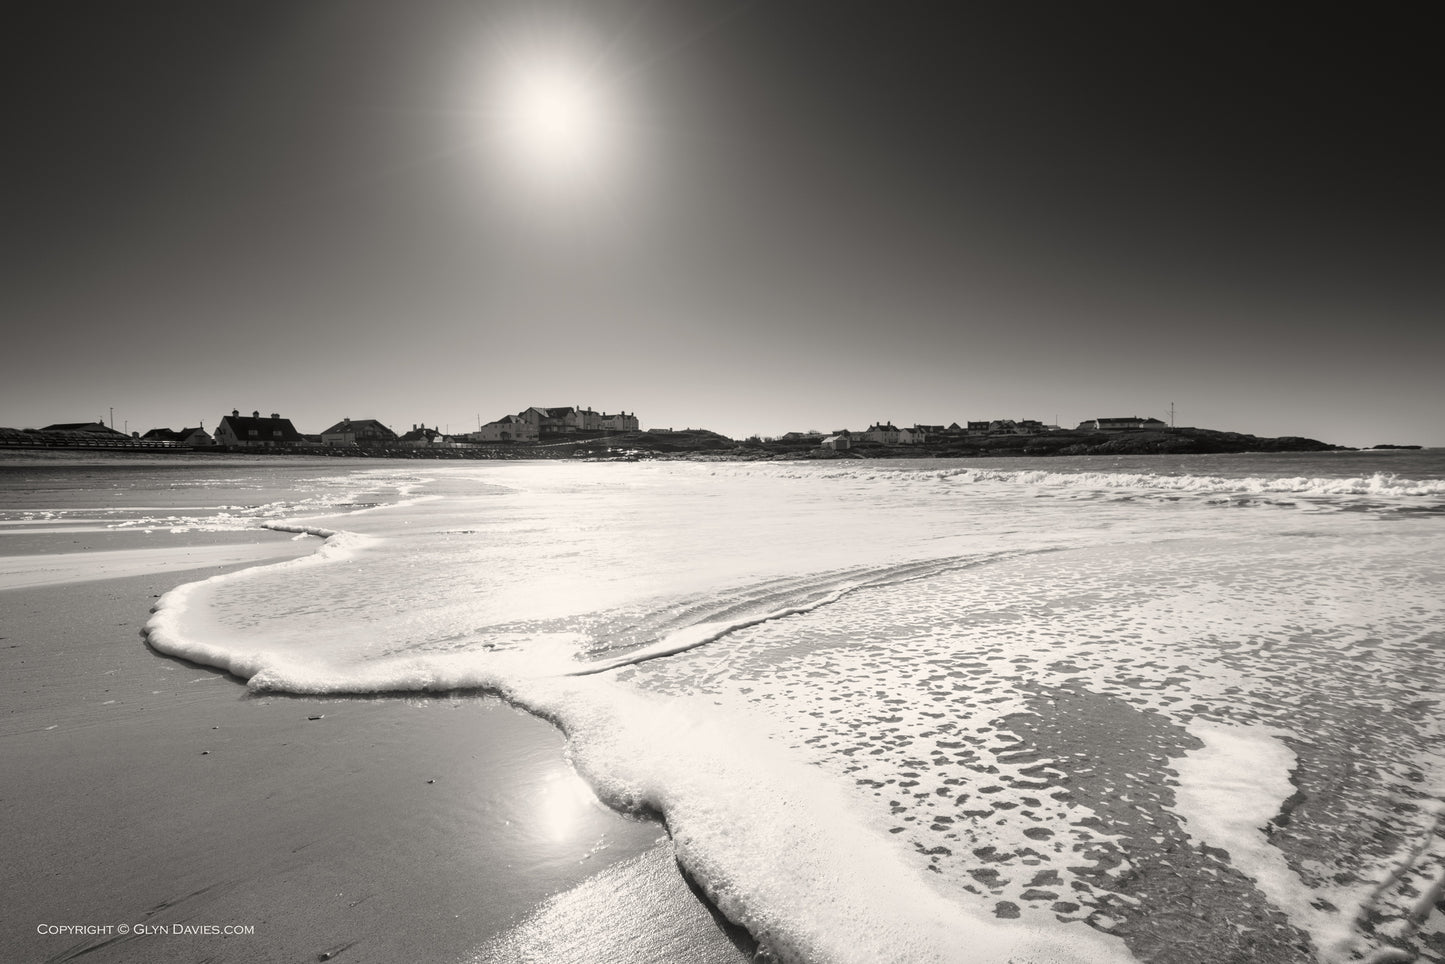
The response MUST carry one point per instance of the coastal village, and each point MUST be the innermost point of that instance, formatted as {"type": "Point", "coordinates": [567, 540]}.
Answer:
{"type": "Point", "coordinates": [275, 433]}
{"type": "Point", "coordinates": [577, 432]}
{"type": "Point", "coordinates": [531, 427]}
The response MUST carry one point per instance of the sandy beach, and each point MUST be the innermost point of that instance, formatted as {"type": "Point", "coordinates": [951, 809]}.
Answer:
{"type": "Point", "coordinates": [153, 811]}
{"type": "Point", "coordinates": [1008, 730]}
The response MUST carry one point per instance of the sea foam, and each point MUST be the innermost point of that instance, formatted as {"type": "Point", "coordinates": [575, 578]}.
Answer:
{"type": "Point", "coordinates": [776, 844]}
{"type": "Point", "coordinates": [1379, 484]}
{"type": "Point", "coordinates": [1189, 611]}
{"type": "Point", "coordinates": [1229, 793]}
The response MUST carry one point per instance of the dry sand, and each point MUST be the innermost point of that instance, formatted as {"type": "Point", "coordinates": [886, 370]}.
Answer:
{"type": "Point", "coordinates": [140, 790]}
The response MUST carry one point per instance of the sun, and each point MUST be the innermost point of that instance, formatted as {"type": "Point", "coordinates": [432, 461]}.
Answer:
{"type": "Point", "coordinates": [558, 120]}
{"type": "Point", "coordinates": [556, 113]}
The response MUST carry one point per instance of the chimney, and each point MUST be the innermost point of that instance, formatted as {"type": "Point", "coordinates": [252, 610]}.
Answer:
{"type": "Point", "coordinates": [235, 413]}
{"type": "Point", "coordinates": [275, 414]}
{"type": "Point", "coordinates": [255, 413]}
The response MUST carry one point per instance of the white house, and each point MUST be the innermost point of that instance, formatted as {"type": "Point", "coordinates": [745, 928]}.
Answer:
{"type": "Point", "coordinates": [509, 428]}
{"type": "Point", "coordinates": [552, 423]}
{"type": "Point", "coordinates": [621, 422]}
{"type": "Point", "coordinates": [1132, 423]}
{"type": "Point", "coordinates": [882, 433]}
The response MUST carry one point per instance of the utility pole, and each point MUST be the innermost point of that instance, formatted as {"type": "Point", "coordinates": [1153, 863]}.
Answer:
{"type": "Point", "coordinates": [1171, 414]}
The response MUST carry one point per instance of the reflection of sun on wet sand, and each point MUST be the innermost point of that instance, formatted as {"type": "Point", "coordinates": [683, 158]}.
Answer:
{"type": "Point", "coordinates": [150, 790]}
{"type": "Point", "coordinates": [153, 791]}
{"type": "Point", "coordinates": [642, 911]}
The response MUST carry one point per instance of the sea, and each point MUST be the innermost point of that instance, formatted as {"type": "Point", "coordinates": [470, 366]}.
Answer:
{"type": "Point", "coordinates": [1151, 708]}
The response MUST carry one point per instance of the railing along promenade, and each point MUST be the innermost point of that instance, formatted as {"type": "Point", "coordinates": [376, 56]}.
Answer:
{"type": "Point", "coordinates": [12, 438]}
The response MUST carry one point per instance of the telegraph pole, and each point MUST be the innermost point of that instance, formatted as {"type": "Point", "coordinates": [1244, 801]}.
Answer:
{"type": "Point", "coordinates": [1171, 414]}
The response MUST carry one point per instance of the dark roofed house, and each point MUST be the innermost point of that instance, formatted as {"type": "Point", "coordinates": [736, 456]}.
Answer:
{"type": "Point", "coordinates": [90, 435]}
{"type": "Point", "coordinates": [421, 437]}
{"type": "Point", "coordinates": [883, 432]}
{"type": "Point", "coordinates": [553, 421]}
{"type": "Point", "coordinates": [184, 436]}
{"type": "Point", "coordinates": [358, 431]}
{"type": "Point", "coordinates": [559, 420]}
{"type": "Point", "coordinates": [257, 432]}
{"type": "Point", "coordinates": [89, 428]}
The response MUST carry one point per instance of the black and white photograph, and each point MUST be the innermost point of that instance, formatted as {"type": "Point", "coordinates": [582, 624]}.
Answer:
{"type": "Point", "coordinates": [722, 481]}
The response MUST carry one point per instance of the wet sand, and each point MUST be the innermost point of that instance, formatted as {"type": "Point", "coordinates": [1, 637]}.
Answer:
{"type": "Point", "coordinates": [83, 565]}
{"type": "Point", "coordinates": [153, 795]}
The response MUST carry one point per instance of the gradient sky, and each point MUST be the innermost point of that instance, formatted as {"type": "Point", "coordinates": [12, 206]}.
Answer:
{"type": "Point", "coordinates": [761, 217]}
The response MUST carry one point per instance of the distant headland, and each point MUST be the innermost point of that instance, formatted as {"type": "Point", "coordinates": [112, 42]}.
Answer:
{"type": "Point", "coordinates": [1077, 441]}
{"type": "Point", "coordinates": [574, 432]}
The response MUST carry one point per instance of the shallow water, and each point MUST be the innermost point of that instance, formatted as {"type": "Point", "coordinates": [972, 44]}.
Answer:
{"type": "Point", "coordinates": [1099, 709]}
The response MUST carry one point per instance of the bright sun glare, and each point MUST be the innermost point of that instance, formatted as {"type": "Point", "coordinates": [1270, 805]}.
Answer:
{"type": "Point", "coordinates": [559, 123]}
{"type": "Point", "coordinates": [561, 805]}
{"type": "Point", "coordinates": [555, 111]}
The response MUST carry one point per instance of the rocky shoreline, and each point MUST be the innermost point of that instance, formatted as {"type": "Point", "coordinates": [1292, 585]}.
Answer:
{"type": "Point", "coordinates": [700, 443]}
{"type": "Point", "coordinates": [1177, 441]}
